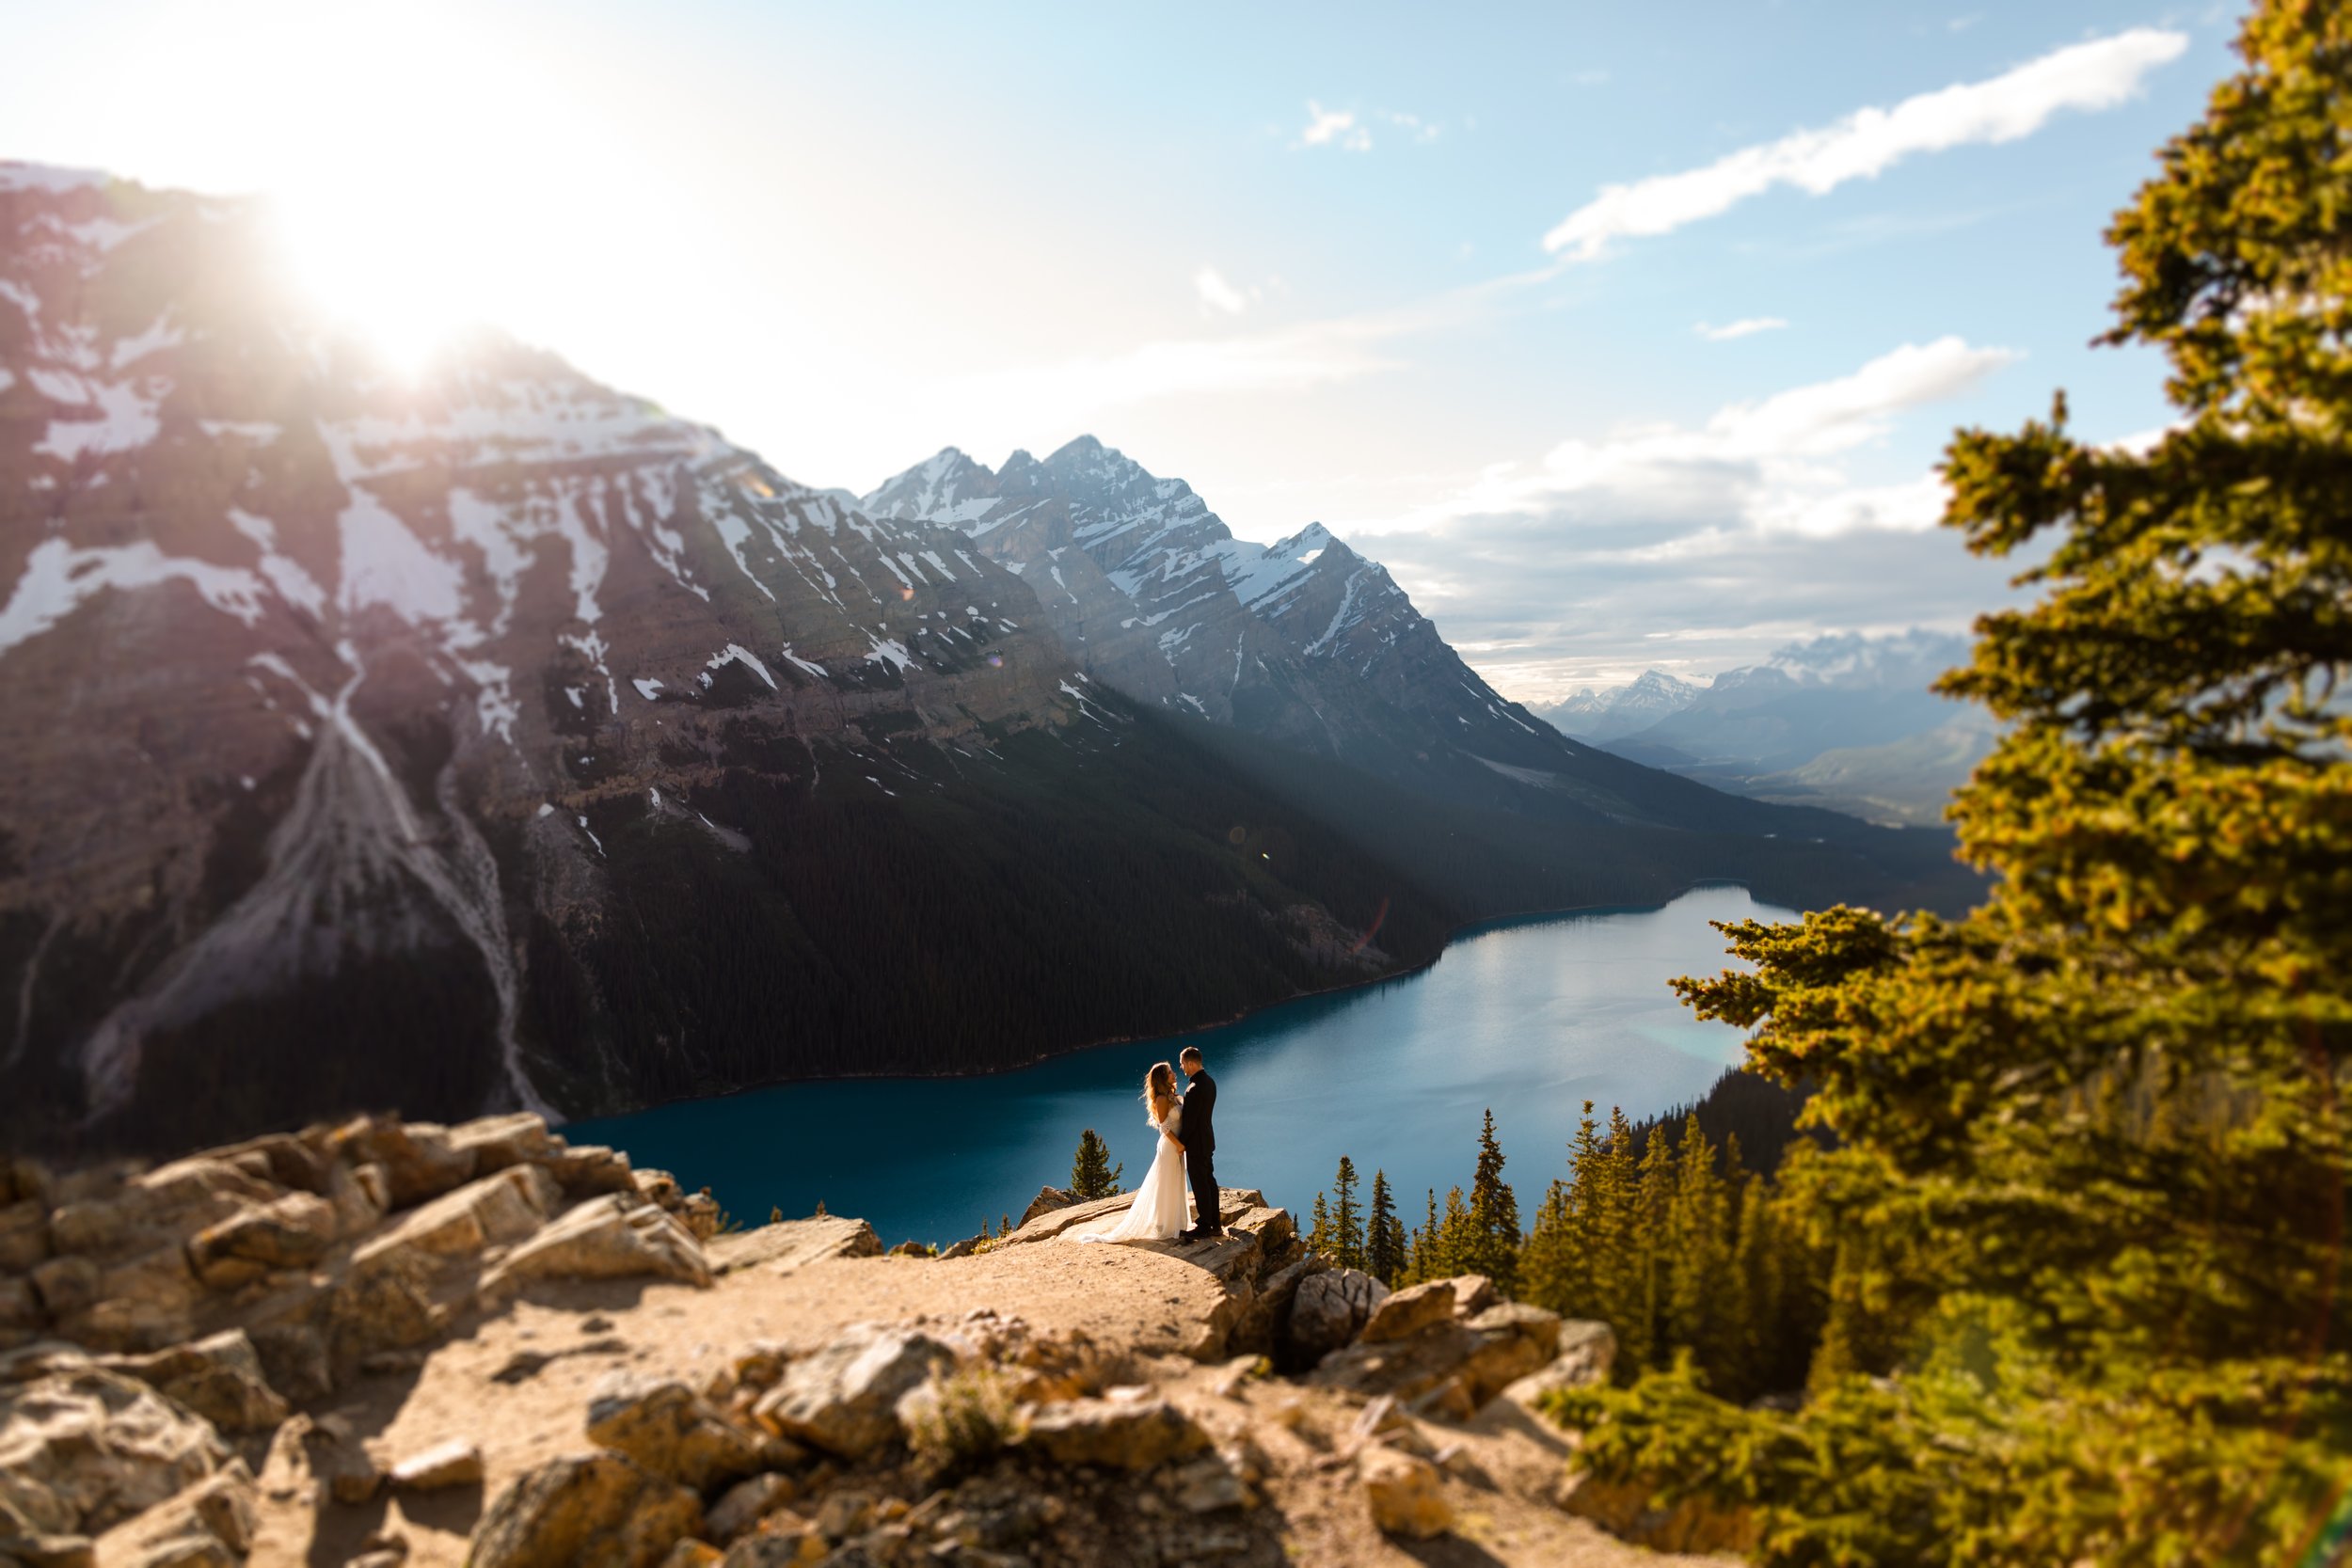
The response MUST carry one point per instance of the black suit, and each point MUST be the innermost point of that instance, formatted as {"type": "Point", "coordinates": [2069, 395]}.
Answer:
{"type": "Point", "coordinates": [1197, 1131]}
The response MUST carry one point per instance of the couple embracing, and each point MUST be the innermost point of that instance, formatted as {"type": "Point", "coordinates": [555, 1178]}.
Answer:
{"type": "Point", "coordinates": [1187, 1144]}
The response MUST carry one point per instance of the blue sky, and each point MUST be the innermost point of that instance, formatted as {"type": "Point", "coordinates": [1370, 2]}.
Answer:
{"type": "Point", "coordinates": [1296, 256]}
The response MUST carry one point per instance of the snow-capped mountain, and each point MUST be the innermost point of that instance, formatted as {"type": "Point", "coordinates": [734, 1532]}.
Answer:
{"type": "Point", "coordinates": [489, 738]}
{"type": "Point", "coordinates": [1303, 640]}
{"type": "Point", "coordinates": [1603, 715]}
{"type": "Point", "coordinates": [1844, 720]}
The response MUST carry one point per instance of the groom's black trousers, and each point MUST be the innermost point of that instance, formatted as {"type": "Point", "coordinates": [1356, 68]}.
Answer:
{"type": "Point", "coordinates": [1201, 1165]}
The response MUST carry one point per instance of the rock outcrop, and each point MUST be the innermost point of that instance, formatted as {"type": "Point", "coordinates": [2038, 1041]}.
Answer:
{"type": "Point", "coordinates": [844, 1400]}
{"type": "Point", "coordinates": [758, 1422]}
{"type": "Point", "coordinates": [596, 1511]}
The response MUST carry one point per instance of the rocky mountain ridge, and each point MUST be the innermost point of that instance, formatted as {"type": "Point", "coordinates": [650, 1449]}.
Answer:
{"type": "Point", "coordinates": [1304, 641]}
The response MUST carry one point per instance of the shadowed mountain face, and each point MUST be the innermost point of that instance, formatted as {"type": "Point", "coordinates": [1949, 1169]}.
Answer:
{"type": "Point", "coordinates": [496, 739]}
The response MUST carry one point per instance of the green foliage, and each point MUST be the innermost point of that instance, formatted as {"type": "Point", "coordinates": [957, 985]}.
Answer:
{"type": "Point", "coordinates": [963, 1419]}
{"type": "Point", "coordinates": [1319, 1228]}
{"type": "Point", "coordinates": [2086, 1206]}
{"type": "Point", "coordinates": [1092, 1173]}
{"type": "Point", "coordinates": [1386, 1253]}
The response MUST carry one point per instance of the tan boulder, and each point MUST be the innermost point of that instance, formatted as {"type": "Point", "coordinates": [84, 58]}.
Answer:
{"type": "Point", "coordinates": [505, 1207]}
{"type": "Point", "coordinates": [143, 1301]}
{"type": "Point", "coordinates": [783, 1540]}
{"type": "Point", "coordinates": [660, 1187]}
{"type": "Point", "coordinates": [746, 1503]}
{"type": "Point", "coordinates": [418, 1158]}
{"type": "Point", "coordinates": [1448, 1367]}
{"type": "Point", "coordinates": [21, 1309]}
{"type": "Point", "coordinates": [1585, 1352]}
{"type": "Point", "coordinates": [1330, 1309]}
{"type": "Point", "coordinates": [1404, 1493]}
{"type": "Point", "coordinates": [289, 1232]}
{"type": "Point", "coordinates": [277, 1157]}
{"type": "Point", "coordinates": [844, 1398]}
{"type": "Point", "coordinates": [1115, 1432]}
{"type": "Point", "coordinates": [1410, 1310]}
{"type": "Point", "coordinates": [1047, 1200]}
{"type": "Point", "coordinates": [386, 1306]}
{"type": "Point", "coordinates": [214, 1521]}
{"type": "Point", "coordinates": [690, 1553]}
{"type": "Point", "coordinates": [49, 1551]}
{"type": "Point", "coordinates": [495, 1143]}
{"type": "Point", "coordinates": [66, 1285]}
{"type": "Point", "coordinates": [1263, 1328]}
{"type": "Point", "coordinates": [219, 1378]}
{"type": "Point", "coordinates": [362, 1195]}
{"type": "Point", "coordinates": [83, 1449]}
{"type": "Point", "coordinates": [671, 1430]}
{"type": "Point", "coordinates": [23, 1235]}
{"type": "Point", "coordinates": [198, 1185]}
{"type": "Point", "coordinates": [599, 1511]}
{"type": "Point", "coordinates": [585, 1169]}
{"type": "Point", "coordinates": [295, 1358]}
{"type": "Point", "coordinates": [604, 1238]}
{"type": "Point", "coordinates": [440, 1468]}
{"type": "Point", "coordinates": [788, 1245]}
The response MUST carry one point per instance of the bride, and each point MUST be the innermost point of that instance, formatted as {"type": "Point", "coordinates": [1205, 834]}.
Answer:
{"type": "Point", "coordinates": [1160, 1209]}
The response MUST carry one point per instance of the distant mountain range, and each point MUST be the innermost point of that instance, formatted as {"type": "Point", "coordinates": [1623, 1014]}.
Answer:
{"type": "Point", "coordinates": [1844, 721]}
{"type": "Point", "coordinates": [1603, 713]}
{"type": "Point", "coordinates": [492, 738]}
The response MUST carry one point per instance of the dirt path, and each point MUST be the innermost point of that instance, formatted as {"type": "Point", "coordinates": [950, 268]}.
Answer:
{"type": "Point", "coordinates": [517, 1382]}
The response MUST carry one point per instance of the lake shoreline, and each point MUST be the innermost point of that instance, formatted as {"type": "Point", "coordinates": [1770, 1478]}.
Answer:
{"type": "Point", "coordinates": [1533, 1014]}
{"type": "Point", "coordinates": [1468, 930]}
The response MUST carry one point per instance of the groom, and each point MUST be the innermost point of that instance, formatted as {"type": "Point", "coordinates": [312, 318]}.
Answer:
{"type": "Point", "coordinates": [1197, 1131]}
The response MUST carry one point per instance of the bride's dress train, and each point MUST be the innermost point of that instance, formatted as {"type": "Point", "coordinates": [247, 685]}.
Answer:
{"type": "Point", "coordinates": [1161, 1209]}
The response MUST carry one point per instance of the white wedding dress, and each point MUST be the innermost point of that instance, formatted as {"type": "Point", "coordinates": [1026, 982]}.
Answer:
{"type": "Point", "coordinates": [1161, 1208]}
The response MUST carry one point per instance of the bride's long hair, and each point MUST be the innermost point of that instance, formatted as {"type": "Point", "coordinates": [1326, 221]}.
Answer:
{"type": "Point", "coordinates": [1159, 1091]}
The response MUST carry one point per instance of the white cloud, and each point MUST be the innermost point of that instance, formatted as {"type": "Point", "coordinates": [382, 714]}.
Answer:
{"type": "Point", "coordinates": [2086, 76]}
{"type": "Point", "coordinates": [1746, 327]}
{"type": "Point", "coordinates": [1334, 128]}
{"type": "Point", "coordinates": [1217, 294]}
{"type": "Point", "coordinates": [1726, 538]}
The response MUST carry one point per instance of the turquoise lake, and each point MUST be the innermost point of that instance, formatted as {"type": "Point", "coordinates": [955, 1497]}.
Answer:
{"type": "Point", "coordinates": [1530, 1017]}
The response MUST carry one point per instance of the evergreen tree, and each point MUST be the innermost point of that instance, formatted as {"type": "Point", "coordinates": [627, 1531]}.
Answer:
{"type": "Point", "coordinates": [1319, 1233]}
{"type": "Point", "coordinates": [1492, 1247]}
{"type": "Point", "coordinates": [1561, 1265]}
{"type": "Point", "coordinates": [1385, 1256]}
{"type": "Point", "coordinates": [1642, 1337]}
{"type": "Point", "coordinates": [1347, 1225]}
{"type": "Point", "coordinates": [2092, 1161]}
{"type": "Point", "coordinates": [1455, 1240]}
{"type": "Point", "coordinates": [1092, 1173]}
{"type": "Point", "coordinates": [1549, 1262]}
{"type": "Point", "coordinates": [1425, 1246]}
{"type": "Point", "coordinates": [1698, 1253]}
